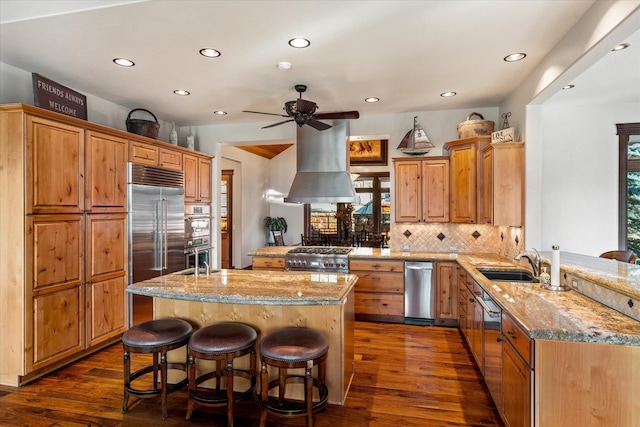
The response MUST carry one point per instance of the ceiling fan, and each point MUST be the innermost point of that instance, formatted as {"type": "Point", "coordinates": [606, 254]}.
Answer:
{"type": "Point", "coordinates": [303, 112]}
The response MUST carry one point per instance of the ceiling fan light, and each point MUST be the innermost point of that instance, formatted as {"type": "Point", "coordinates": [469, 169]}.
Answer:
{"type": "Point", "coordinates": [299, 43]}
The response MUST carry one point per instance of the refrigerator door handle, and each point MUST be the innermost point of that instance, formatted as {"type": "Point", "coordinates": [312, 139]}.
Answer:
{"type": "Point", "coordinates": [165, 223]}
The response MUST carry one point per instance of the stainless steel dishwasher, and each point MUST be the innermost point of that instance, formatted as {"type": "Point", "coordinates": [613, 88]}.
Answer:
{"type": "Point", "coordinates": [419, 293]}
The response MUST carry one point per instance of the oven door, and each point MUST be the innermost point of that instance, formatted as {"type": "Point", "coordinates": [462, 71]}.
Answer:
{"type": "Point", "coordinates": [201, 258]}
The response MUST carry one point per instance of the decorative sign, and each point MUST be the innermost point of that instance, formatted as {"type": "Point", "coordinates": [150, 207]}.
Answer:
{"type": "Point", "coordinates": [55, 97]}
{"type": "Point", "coordinates": [504, 135]}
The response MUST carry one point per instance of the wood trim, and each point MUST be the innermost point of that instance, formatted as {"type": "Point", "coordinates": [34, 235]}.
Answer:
{"type": "Point", "coordinates": [624, 130]}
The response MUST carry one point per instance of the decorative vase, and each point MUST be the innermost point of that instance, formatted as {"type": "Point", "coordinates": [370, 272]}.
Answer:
{"type": "Point", "coordinates": [173, 136]}
{"type": "Point", "coordinates": [191, 140]}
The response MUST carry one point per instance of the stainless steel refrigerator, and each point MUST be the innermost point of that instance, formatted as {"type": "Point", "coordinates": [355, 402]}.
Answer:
{"type": "Point", "coordinates": [156, 229]}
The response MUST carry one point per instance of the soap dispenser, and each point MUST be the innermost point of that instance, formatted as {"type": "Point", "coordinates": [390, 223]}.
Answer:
{"type": "Point", "coordinates": [545, 278]}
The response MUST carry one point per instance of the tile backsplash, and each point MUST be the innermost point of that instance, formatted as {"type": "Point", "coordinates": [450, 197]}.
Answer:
{"type": "Point", "coordinates": [446, 237]}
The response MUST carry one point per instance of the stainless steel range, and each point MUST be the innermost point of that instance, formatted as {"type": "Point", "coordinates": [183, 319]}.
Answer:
{"type": "Point", "coordinates": [326, 259]}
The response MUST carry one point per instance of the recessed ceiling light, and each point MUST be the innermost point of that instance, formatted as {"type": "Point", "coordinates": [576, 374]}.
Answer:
{"type": "Point", "coordinates": [299, 42]}
{"type": "Point", "coordinates": [515, 57]}
{"type": "Point", "coordinates": [210, 53]}
{"type": "Point", "coordinates": [371, 99]}
{"type": "Point", "coordinates": [621, 46]}
{"type": "Point", "coordinates": [220, 113]}
{"type": "Point", "coordinates": [568, 87]}
{"type": "Point", "coordinates": [448, 94]}
{"type": "Point", "coordinates": [284, 65]}
{"type": "Point", "coordinates": [124, 62]}
{"type": "Point", "coordinates": [182, 92]}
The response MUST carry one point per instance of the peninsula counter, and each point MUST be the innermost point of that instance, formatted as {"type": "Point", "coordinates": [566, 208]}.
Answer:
{"type": "Point", "coordinates": [267, 301]}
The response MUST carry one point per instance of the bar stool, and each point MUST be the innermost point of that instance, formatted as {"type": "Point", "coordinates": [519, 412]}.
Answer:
{"type": "Point", "coordinates": [222, 342]}
{"type": "Point", "coordinates": [156, 337]}
{"type": "Point", "coordinates": [293, 348]}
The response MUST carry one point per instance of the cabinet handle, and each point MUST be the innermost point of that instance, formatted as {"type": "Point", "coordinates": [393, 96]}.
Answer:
{"type": "Point", "coordinates": [375, 279]}
{"type": "Point", "coordinates": [498, 339]}
{"type": "Point", "coordinates": [376, 266]}
{"type": "Point", "coordinates": [512, 335]}
{"type": "Point", "coordinates": [472, 300]}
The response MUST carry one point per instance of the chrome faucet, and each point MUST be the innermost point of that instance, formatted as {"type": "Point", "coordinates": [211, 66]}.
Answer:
{"type": "Point", "coordinates": [206, 265]}
{"type": "Point", "coordinates": [534, 260]}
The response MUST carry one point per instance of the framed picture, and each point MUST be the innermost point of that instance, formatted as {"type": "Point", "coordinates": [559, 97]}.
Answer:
{"type": "Point", "coordinates": [369, 152]}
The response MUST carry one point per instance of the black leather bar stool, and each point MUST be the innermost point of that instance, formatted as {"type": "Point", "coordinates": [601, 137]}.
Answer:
{"type": "Point", "coordinates": [222, 342]}
{"type": "Point", "coordinates": [155, 337]}
{"type": "Point", "coordinates": [288, 349]}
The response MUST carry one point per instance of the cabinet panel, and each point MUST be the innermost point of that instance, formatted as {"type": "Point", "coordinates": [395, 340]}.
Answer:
{"type": "Point", "coordinates": [204, 180]}
{"type": "Point", "coordinates": [140, 152]}
{"type": "Point", "coordinates": [516, 386]}
{"type": "Point", "coordinates": [379, 304]}
{"type": "Point", "coordinates": [55, 181]}
{"type": "Point", "coordinates": [408, 177]}
{"type": "Point", "coordinates": [268, 263]}
{"type": "Point", "coordinates": [518, 338]}
{"type": "Point", "coordinates": [57, 326]}
{"type": "Point", "coordinates": [446, 290]}
{"type": "Point", "coordinates": [171, 159]}
{"type": "Point", "coordinates": [376, 265]}
{"type": "Point", "coordinates": [106, 173]}
{"type": "Point", "coordinates": [463, 184]}
{"type": "Point", "coordinates": [190, 168]}
{"type": "Point", "coordinates": [435, 190]}
{"type": "Point", "coordinates": [55, 251]}
{"type": "Point", "coordinates": [106, 246]}
{"type": "Point", "coordinates": [379, 282]}
{"type": "Point", "coordinates": [106, 309]}
{"type": "Point", "coordinates": [503, 184]}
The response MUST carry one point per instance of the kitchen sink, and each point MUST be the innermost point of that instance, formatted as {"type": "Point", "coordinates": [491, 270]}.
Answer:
{"type": "Point", "coordinates": [202, 271]}
{"type": "Point", "coordinates": [504, 275]}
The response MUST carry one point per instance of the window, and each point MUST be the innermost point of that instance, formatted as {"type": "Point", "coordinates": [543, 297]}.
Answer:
{"type": "Point", "coordinates": [365, 222]}
{"type": "Point", "coordinates": [629, 187]}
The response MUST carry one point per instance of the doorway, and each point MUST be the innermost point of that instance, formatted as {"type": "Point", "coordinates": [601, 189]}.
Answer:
{"type": "Point", "coordinates": [226, 219]}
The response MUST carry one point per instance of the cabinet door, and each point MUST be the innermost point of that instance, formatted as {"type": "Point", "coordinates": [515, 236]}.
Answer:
{"type": "Point", "coordinates": [508, 184]}
{"type": "Point", "coordinates": [190, 168]}
{"type": "Point", "coordinates": [55, 178]}
{"type": "Point", "coordinates": [446, 290]}
{"type": "Point", "coordinates": [106, 173]}
{"type": "Point", "coordinates": [435, 190]}
{"type": "Point", "coordinates": [57, 328]}
{"type": "Point", "coordinates": [171, 159]}
{"type": "Point", "coordinates": [106, 309]}
{"type": "Point", "coordinates": [140, 152]}
{"type": "Point", "coordinates": [204, 180]}
{"type": "Point", "coordinates": [463, 184]}
{"type": "Point", "coordinates": [487, 187]}
{"type": "Point", "coordinates": [516, 387]}
{"type": "Point", "coordinates": [268, 263]}
{"type": "Point", "coordinates": [408, 191]}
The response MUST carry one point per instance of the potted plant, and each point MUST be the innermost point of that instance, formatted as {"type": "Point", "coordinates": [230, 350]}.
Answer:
{"type": "Point", "coordinates": [276, 223]}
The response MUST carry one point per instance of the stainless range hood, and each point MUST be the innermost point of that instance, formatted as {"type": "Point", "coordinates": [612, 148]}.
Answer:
{"type": "Point", "coordinates": [322, 166]}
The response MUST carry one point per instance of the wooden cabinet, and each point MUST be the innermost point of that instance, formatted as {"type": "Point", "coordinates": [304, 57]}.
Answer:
{"type": "Point", "coordinates": [141, 152]}
{"type": "Point", "coordinates": [472, 324]}
{"type": "Point", "coordinates": [503, 184]}
{"type": "Point", "coordinates": [422, 190]}
{"type": "Point", "coordinates": [55, 157]}
{"type": "Point", "coordinates": [517, 354]}
{"type": "Point", "coordinates": [464, 167]}
{"type": "Point", "coordinates": [197, 178]}
{"type": "Point", "coordinates": [268, 263]}
{"type": "Point", "coordinates": [106, 174]}
{"type": "Point", "coordinates": [170, 159]}
{"type": "Point", "coordinates": [106, 276]}
{"type": "Point", "coordinates": [446, 291]}
{"type": "Point", "coordinates": [379, 292]}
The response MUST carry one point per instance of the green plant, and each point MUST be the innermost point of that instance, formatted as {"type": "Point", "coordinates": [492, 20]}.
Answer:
{"type": "Point", "coordinates": [276, 223]}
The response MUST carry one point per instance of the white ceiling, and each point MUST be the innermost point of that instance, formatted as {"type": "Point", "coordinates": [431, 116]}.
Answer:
{"type": "Point", "coordinates": [404, 52]}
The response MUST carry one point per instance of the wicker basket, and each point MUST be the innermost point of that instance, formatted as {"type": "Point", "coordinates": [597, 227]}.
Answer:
{"type": "Point", "coordinates": [143, 127]}
{"type": "Point", "coordinates": [471, 128]}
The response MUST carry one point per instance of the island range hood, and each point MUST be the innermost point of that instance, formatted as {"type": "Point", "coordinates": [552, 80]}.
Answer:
{"type": "Point", "coordinates": [322, 166]}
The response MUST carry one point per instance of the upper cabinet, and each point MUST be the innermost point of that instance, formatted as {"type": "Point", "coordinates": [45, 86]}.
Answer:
{"type": "Point", "coordinates": [55, 181]}
{"type": "Point", "coordinates": [141, 152]}
{"type": "Point", "coordinates": [106, 173]}
{"type": "Point", "coordinates": [197, 179]}
{"type": "Point", "coordinates": [464, 166]}
{"type": "Point", "coordinates": [422, 189]}
{"type": "Point", "coordinates": [503, 184]}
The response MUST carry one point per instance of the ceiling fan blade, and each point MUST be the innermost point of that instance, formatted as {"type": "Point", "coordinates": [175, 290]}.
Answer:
{"type": "Point", "coordinates": [305, 107]}
{"type": "Point", "coordinates": [276, 124]}
{"type": "Point", "coordinates": [269, 114]}
{"type": "Point", "coordinates": [338, 115]}
{"type": "Point", "coordinates": [318, 125]}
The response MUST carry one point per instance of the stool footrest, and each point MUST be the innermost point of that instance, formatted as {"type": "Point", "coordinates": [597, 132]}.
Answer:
{"type": "Point", "coordinates": [212, 396]}
{"type": "Point", "coordinates": [295, 407]}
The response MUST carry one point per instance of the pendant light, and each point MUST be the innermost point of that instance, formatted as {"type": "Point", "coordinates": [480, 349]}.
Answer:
{"type": "Point", "coordinates": [415, 142]}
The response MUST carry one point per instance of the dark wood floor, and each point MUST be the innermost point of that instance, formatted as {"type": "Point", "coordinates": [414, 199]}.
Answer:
{"type": "Point", "coordinates": [405, 376]}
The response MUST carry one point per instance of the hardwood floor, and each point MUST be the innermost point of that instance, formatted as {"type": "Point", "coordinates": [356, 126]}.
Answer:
{"type": "Point", "coordinates": [405, 376]}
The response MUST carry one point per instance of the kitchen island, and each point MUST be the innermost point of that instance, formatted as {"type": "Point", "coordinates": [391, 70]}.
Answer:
{"type": "Point", "coordinates": [267, 301]}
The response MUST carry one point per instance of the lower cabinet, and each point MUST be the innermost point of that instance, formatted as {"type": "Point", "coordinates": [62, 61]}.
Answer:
{"type": "Point", "coordinates": [266, 263]}
{"type": "Point", "coordinates": [379, 292]}
{"type": "Point", "coordinates": [446, 293]}
{"type": "Point", "coordinates": [517, 358]}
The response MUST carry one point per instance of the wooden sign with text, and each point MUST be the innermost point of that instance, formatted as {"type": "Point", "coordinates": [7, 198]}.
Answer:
{"type": "Point", "coordinates": [55, 97]}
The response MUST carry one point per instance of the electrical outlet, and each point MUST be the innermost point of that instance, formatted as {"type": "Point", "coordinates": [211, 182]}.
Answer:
{"type": "Point", "coordinates": [575, 284]}
{"type": "Point", "coordinates": [453, 249]}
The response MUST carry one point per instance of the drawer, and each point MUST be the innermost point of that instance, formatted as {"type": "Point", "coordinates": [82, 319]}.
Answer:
{"type": "Point", "coordinates": [380, 304]}
{"type": "Point", "coordinates": [376, 265]}
{"type": "Point", "coordinates": [379, 282]}
{"type": "Point", "coordinates": [518, 338]}
{"type": "Point", "coordinates": [265, 263]}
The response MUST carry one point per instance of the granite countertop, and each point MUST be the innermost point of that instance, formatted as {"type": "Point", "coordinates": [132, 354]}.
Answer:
{"type": "Point", "coordinates": [250, 287]}
{"type": "Point", "coordinates": [568, 316]}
